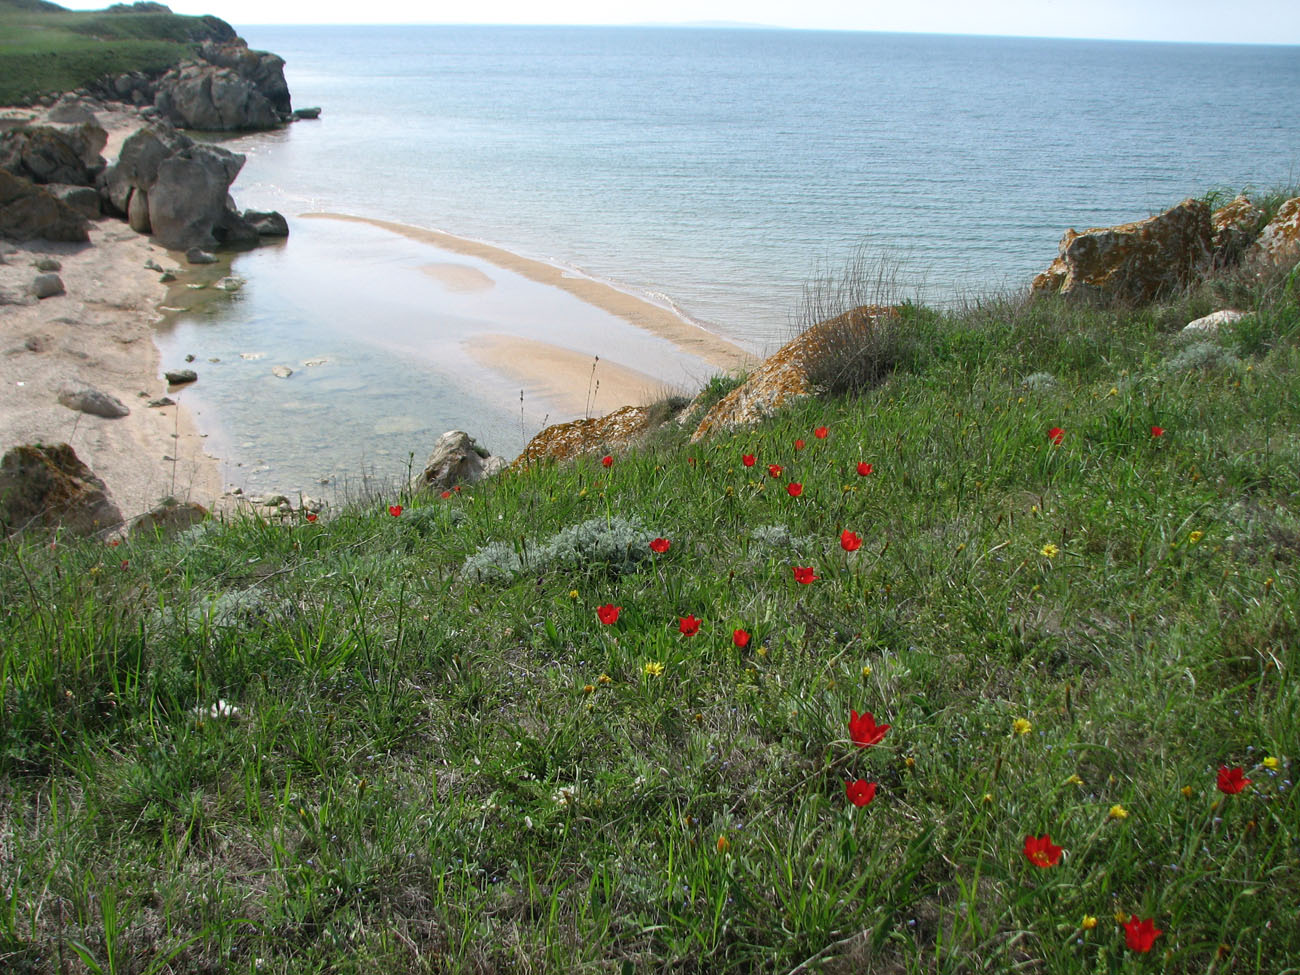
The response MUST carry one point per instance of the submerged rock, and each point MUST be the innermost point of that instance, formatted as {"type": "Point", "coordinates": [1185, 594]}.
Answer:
{"type": "Point", "coordinates": [1132, 262]}
{"type": "Point", "coordinates": [177, 377]}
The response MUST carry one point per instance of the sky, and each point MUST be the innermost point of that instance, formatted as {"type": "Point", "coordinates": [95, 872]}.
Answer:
{"type": "Point", "coordinates": [1234, 21]}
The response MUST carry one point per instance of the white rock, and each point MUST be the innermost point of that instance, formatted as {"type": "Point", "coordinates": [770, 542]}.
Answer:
{"type": "Point", "coordinates": [284, 372]}
{"type": "Point", "coordinates": [1211, 323]}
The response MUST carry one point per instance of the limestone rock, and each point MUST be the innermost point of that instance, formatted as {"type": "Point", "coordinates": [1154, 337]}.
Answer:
{"type": "Point", "coordinates": [1211, 323]}
{"type": "Point", "coordinates": [563, 441]}
{"type": "Point", "coordinates": [137, 211]}
{"type": "Point", "coordinates": [188, 199]}
{"type": "Point", "coordinates": [49, 486]}
{"type": "Point", "coordinates": [212, 98]}
{"type": "Point", "coordinates": [29, 212]}
{"type": "Point", "coordinates": [281, 372]}
{"type": "Point", "coordinates": [262, 69]}
{"type": "Point", "coordinates": [178, 377]}
{"type": "Point", "coordinates": [54, 153]}
{"type": "Point", "coordinates": [138, 161]}
{"type": "Point", "coordinates": [1279, 242]}
{"type": "Point", "coordinates": [1233, 227]}
{"type": "Point", "coordinates": [1132, 262]}
{"type": "Point", "coordinates": [781, 378]}
{"type": "Point", "coordinates": [230, 283]}
{"type": "Point", "coordinates": [168, 517]}
{"type": "Point", "coordinates": [92, 401]}
{"type": "Point", "coordinates": [456, 459]}
{"type": "Point", "coordinates": [267, 223]}
{"type": "Point", "coordinates": [48, 286]}
{"type": "Point", "coordinates": [71, 110]}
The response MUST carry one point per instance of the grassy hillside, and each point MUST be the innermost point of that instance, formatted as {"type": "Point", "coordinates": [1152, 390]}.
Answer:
{"type": "Point", "coordinates": [406, 740]}
{"type": "Point", "coordinates": [45, 48]}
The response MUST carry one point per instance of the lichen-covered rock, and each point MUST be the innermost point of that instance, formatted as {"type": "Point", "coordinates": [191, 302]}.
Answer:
{"type": "Point", "coordinates": [1233, 227]}
{"type": "Point", "coordinates": [781, 378]}
{"type": "Point", "coordinates": [1279, 242]}
{"type": "Point", "coordinates": [456, 459]}
{"type": "Point", "coordinates": [564, 441]}
{"type": "Point", "coordinates": [48, 486]}
{"type": "Point", "coordinates": [1132, 262]}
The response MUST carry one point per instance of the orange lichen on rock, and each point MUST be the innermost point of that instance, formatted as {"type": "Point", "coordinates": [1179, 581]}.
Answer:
{"type": "Point", "coordinates": [1279, 242]}
{"type": "Point", "coordinates": [1132, 262]}
{"type": "Point", "coordinates": [564, 441]}
{"type": "Point", "coordinates": [1233, 226]}
{"type": "Point", "coordinates": [782, 377]}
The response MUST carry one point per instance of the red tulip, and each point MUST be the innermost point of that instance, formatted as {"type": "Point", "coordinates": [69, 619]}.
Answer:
{"type": "Point", "coordinates": [740, 638]}
{"type": "Point", "coordinates": [659, 545]}
{"type": "Point", "coordinates": [608, 614]}
{"type": "Point", "coordinates": [1041, 852]}
{"type": "Point", "coordinates": [860, 792]}
{"type": "Point", "coordinates": [1141, 935]}
{"type": "Point", "coordinates": [394, 510]}
{"type": "Point", "coordinates": [688, 625]}
{"type": "Point", "coordinates": [125, 563]}
{"type": "Point", "coordinates": [849, 541]}
{"type": "Point", "coordinates": [798, 445]}
{"type": "Point", "coordinates": [794, 489]}
{"type": "Point", "coordinates": [863, 729]}
{"type": "Point", "coordinates": [1232, 780]}
{"type": "Point", "coordinates": [607, 461]}
{"type": "Point", "coordinates": [311, 517]}
{"type": "Point", "coordinates": [446, 494]}
{"type": "Point", "coordinates": [804, 574]}
{"type": "Point", "coordinates": [820, 433]}
{"type": "Point", "coordinates": [115, 542]}
{"type": "Point", "coordinates": [1056, 435]}
{"type": "Point", "coordinates": [1157, 431]}
{"type": "Point", "coordinates": [864, 469]}
{"type": "Point", "coordinates": [774, 470]}
{"type": "Point", "coordinates": [747, 460]}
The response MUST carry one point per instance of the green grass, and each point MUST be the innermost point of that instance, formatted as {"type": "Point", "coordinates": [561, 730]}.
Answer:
{"type": "Point", "coordinates": [46, 50]}
{"type": "Point", "coordinates": [430, 773]}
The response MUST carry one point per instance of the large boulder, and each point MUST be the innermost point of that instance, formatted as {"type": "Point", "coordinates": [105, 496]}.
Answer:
{"type": "Point", "coordinates": [204, 96]}
{"type": "Point", "coordinates": [29, 212]}
{"type": "Point", "coordinates": [564, 441]}
{"type": "Point", "coordinates": [786, 375]}
{"type": "Point", "coordinates": [262, 69]}
{"type": "Point", "coordinates": [1279, 242]}
{"type": "Point", "coordinates": [83, 199]}
{"type": "Point", "coordinates": [54, 153]}
{"type": "Point", "coordinates": [189, 197]}
{"type": "Point", "coordinates": [138, 161]}
{"type": "Point", "coordinates": [87, 399]}
{"type": "Point", "coordinates": [48, 486]}
{"type": "Point", "coordinates": [168, 517]}
{"type": "Point", "coordinates": [456, 459]}
{"type": "Point", "coordinates": [1132, 262]}
{"type": "Point", "coordinates": [267, 223]}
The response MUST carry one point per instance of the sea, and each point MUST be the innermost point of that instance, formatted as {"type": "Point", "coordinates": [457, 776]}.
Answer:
{"type": "Point", "coordinates": [717, 172]}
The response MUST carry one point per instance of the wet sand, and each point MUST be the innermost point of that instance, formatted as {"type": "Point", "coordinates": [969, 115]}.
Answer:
{"type": "Point", "coordinates": [663, 322]}
{"type": "Point", "coordinates": [460, 278]}
{"type": "Point", "coordinates": [575, 383]}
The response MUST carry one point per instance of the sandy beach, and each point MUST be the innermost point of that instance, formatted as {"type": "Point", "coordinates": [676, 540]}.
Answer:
{"type": "Point", "coordinates": [100, 334]}
{"type": "Point", "coordinates": [655, 319]}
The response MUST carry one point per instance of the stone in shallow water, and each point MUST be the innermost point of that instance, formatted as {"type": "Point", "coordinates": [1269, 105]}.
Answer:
{"type": "Point", "coordinates": [283, 372]}
{"type": "Point", "coordinates": [178, 376]}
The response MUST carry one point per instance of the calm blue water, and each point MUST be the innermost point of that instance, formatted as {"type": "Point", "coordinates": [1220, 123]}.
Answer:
{"type": "Point", "coordinates": [719, 169]}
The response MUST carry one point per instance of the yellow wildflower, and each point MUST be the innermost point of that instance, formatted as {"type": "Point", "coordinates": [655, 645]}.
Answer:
{"type": "Point", "coordinates": [1121, 917]}
{"type": "Point", "coordinates": [1113, 392]}
{"type": "Point", "coordinates": [653, 668]}
{"type": "Point", "coordinates": [1271, 762]}
{"type": "Point", "coordinates": [1195, 537]}
{"type": "Point", "coordinates": [988, 797]}
{"type": "Point", "coordinates": [724, 844]}
{"type": "Point", "coordinates": [1021, 726]}
{"type": "Point", "coordinates": [866, 670]}
{"type": "Point", "coordinates": [1049, 551]}
{"type": "Point", "coordinates": [573, 594]}
{"type": "Point", "coordinates": [1074, 780]}
{"type": "Point", "coordinates": [1088, 923]}
{"type": "Point", "coordinates": [588, 688]}
{"type": "Point", "coordinates": [1117, 812]}
{"type": "Point", "coordinates": [1187, 791]}
{"type": "Point", "coordinates": [604, 679]}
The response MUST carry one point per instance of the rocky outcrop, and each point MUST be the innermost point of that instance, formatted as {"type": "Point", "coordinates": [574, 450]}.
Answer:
{"type": "Point", "coordinates": [54, 153]}
{"type": "Point", "coordinates": [178, 190]}
{"type": "Point", "coordinates": [83, 199]}
{"type": "Point", "coordinates": [267, 223]}
{"type": "Point", "coordinates": [563, 441]}
{"type": "Point", "coordinates": [30, 212]}
{"type": "Point", "coordinates": [1132, 262]}
{"type": "Point", "coordinates": [1279, 242]}
{"type": "Point", "coordinates": [48, 486]}
{"type": "Point", "coordinates": [784, 376]}
{"type": "Point", "coordinates": [229, 88]}
{"type": "Point", "coordinates": [1233, 227]}
{"type": "Point", "coordinates": [456, 459]}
